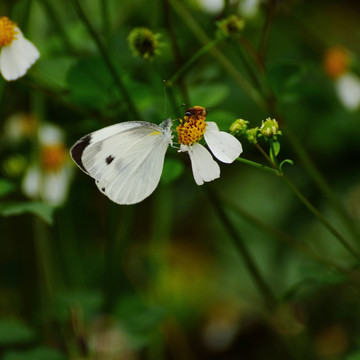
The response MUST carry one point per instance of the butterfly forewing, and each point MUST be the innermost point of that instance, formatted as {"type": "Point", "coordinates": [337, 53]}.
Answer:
{"type": "Point", "coordinates": [125, 159]}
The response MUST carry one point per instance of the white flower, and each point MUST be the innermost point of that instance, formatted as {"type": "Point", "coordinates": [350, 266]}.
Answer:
{"type": "Point", "coordinates": [224, 146]}
{"type": "Point", "coordinates": [17, 53]}
{"type": "Point", "coordinates": [49, 178]}
{"type": "Point", "coordinates": [249, 8]}
{"type": "Point", "coordinates": [348, 89]}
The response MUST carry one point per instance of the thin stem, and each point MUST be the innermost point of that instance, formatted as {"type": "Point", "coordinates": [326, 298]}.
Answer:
{"type": "Point", "coordinates": [257, 165]}
{"type": "Point", "coordinates": [193, 25]}
{"type": "Point", "coordinates": [192, 60]}
{"type": "Point", "coordinates": [54, 20]}
{"type": "Point", "coordinates": [308, 204]}
{"type": "Point", "coordinates": [272, 232]}
{"type": "Point", "coordinates": [265, 155]}
{"type": "Point", "coordinates": [264, 41]}
{"type": "Point", "coordinates": [321, 182]}
{"type": "Point", "coordinates": [321, 218]}
{"type": "Point", "coordinates": [107, 59]}
{"type": "Point", "coordinates": [268, 296]}
{"type": "Point", "coordinates": [175, 48]}
{"type": "Point", "coordinates": [104, 8]}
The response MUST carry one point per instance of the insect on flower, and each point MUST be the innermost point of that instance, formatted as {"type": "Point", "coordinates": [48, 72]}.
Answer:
{"type": "Point", "coordinates": [126, 159]}
{"type": "Point", "coordinates": [17, 54]}
{"type": "Point", "coordinates": [224, 146]}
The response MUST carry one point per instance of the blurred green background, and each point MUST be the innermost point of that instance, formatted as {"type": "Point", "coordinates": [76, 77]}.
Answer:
{"type": "Point", "coordinates": [238, 268]}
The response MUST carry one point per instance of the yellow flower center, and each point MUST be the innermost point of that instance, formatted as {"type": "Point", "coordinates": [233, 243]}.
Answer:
{"type": "Point", "coordinates": [336, 61]}
{"type": "Point", "coordinates": [53, 157]}
{"type": "Point", "coordinates": [193, 126]}
{"type": "Point", "coordinates": [7, 31]}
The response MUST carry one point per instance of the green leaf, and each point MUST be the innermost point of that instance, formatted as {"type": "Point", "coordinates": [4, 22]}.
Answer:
{"type": "Point", "coordinates": [13, 332]}
{"type": "Point", "coordinates": [40, 353]}
{"type": "Point", "coordinates": [286, 161]}
{"type": "Point", "coordinates": [276, 146]}
{"type": "Point", "coordinates": [354, 356]}
{"type": "Point", "coordinates": [90, 84]}
{"type": "Point", "coordinates": [284, 77]}
{"type": "Point", "coordinates": [45, 212]}
{"type": "Point", "coordinates": [6, 187]}
{"type": "Point", "coordinates": [55, 69]}
{"type": "Point", "coordinates": [88, 302]}
{"type": "Point", "coordinates": [140, 320]}
{"type": "Point", "coordinates": [208, 95]}
{"type": "Point", "coordinates": [173, 168]}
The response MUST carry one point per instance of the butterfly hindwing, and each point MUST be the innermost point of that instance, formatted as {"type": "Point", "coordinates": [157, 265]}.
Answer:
{"type": "Point", "coordinates": [125, 159]}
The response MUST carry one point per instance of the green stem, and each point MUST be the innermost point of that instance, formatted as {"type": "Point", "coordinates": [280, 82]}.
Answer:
{"type": "Point", "coordinates": [104, 7]}
{"type": "Point", "coordinates": [54, 21]}
{"type": "Point", "coordinates": [268, 296]}
{"type": "Point", "coordinates": [264, 41]}
{"type": "Point", "coordinates": [107, 59]}
{"type": "Point", "coordinates": [272, 232]}
{"type": "Point", "coordinates": [257, 165]}
{"type": "Point", "coordinates": [321, 218]}
{"type": "Point", "coordinates": [308, 204]}
{"type": "Point", "coordinates": [223, 60]}
{"type": "Point", "coordinates": [321, 183]}
{"type": "Point", "coordinates": [192, 60]}
{"type": "Point", "coordinates": [175, 48]}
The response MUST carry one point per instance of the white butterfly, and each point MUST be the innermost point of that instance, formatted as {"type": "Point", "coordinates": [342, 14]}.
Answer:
{"type": "Point", "coordinates": [125, 159]}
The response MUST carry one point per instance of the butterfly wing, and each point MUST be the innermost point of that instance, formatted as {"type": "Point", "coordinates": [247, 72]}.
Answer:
{"type": "Point", "coordinates": [125, 159]}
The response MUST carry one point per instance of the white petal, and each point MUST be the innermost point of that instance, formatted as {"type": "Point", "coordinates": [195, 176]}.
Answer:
{"type": "Point", "coordinates": [30, 183]}
{"type": "Point", "coordinates": [55, 186]}
{"type": "Point", "coordinates": [204, 167]}
{"type": "Point", "coordinates": [224, 146]}
{"type": "Point", "coordinates": [16, 58]}
{"type": "Point", "coordinates": [348, 90]}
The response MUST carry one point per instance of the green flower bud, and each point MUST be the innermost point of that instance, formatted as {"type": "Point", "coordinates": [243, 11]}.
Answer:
{"type": "Point", "coordinates": [144, 43]}
{"type": "Point", "coordinates": [231, 26]}
{"type": "Point", "coordinates": [14, 166]}
{"type": "Point", "coordinates": [251, 135]}
{"type": "Point", "coordinates": [270, 128]}
{"type": "Point", "coordinates": [238, 127]}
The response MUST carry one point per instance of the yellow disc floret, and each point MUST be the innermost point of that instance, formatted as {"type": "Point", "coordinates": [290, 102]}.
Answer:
{"type": "Point", "coordinates": [53, 157]}
{"type": "Point", "coordinates": [7, 31]}
{"type": "Point", "coordinates": [192, 127]}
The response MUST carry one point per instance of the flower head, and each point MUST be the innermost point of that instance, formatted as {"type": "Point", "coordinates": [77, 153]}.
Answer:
{"type": "Point", "coordinates": [238, 127]}
{"type": "Point", "coordinates": [49, 177]}
{"type": "Point", "coordinates": [336, 61]}
{"type": "Point", "coordinates": [230, 26]}
{"type": "Point", "coordinates": [144, 42]}
{"type": "Point", "coordinates": [269, 128]}
{"type": "Point", "coordinates": [252, 134]}
{"type": "Point", "coordinates": [224, 146]}
{"type": "Point", "coordinates": [17, 54]}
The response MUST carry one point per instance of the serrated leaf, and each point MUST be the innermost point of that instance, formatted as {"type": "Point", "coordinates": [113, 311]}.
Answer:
{"type": "Point", "coordinates": [6, 187]}
{"type": "Point", "coordinates": [40, 353]}
{"type": "Point", "coordinates": [45, 212]}
{"type": "Point", "coordinates": [14, 332]}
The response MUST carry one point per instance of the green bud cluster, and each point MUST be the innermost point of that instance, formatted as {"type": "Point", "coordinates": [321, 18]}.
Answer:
{"type": "Point", "coordinates": [144, 43]}
{"type": "Point", "coordinates": [230, 26]}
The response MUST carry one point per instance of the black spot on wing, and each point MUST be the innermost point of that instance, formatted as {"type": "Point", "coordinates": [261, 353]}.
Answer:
{"type": "Point", "coordinates": [109, 159]}
{"type": "Point", "coordinates": [78, 149]}
{"type": "Point", "coordinates": [103, 189]}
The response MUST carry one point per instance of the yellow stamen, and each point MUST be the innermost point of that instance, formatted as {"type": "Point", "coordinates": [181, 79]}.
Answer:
{"type": "Point", "coordinates": [53, 157]}
{"type": "Point", "coordinates": [192, 128]}
{"type": "Point", "coordinates": [7, 31]}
